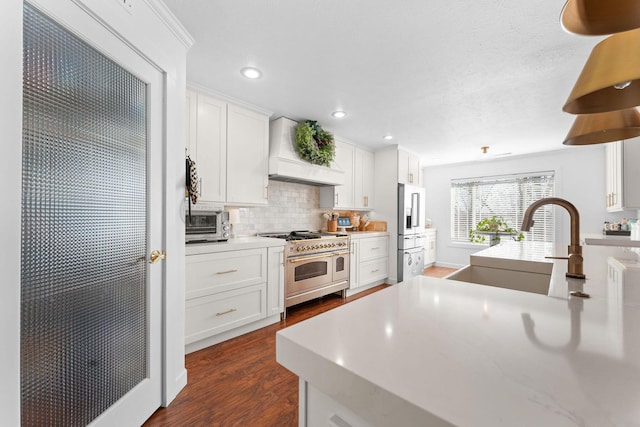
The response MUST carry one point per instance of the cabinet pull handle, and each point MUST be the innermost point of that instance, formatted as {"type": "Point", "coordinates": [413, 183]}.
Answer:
{"type": "Point", "coordinates": [231, 310]}
{"type": "Point", "coordinates": [337, 198]}
{"type": "Point", "coordinates": [266, 192]}
{"type": "Point", "coordinates": [377, 247]}
{"type": "Point", "coordinates": [227, 272]}
{"type": "Point", "coordinates": [308, 258]}
{"type": "Point", "coordinates": [375, 271]}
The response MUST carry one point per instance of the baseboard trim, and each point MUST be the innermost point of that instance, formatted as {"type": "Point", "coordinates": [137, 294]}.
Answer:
{"type": "Point", "coordinates": [233, 333]}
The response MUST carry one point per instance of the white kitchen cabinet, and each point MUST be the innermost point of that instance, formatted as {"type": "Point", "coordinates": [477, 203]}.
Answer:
{"type": "Point", "coordinates": [622, 175]}
{"type": "Point", "coordinates": [247, 156]}
{"type": "Point", "coordinates": [430, 247]}
{"type": "Point", "coordinates": [369, 261]}
{"type": "Point", "coordinates": [363, 179]}
{"type": "Point", "coordinates": [408, 168]}
{"type": "Point", "coordinates": [231, 291]}
{"type": "Point", "coordinates": [353, 263]}
{"type": "Point", "coordinates": [275, 281]}
{"type": "Point", "coordinates": [340, 196]}
{"type": "Point", "coordinates": [207, 144]}
{"type": "Point", "coordinates": [357, 191]}
{"type": "Point", "coordinates": [216, 313]}
{"type": "Point", "coordinates": [215, 272]}
{"type": "Point", "coordinates": [230, 145]}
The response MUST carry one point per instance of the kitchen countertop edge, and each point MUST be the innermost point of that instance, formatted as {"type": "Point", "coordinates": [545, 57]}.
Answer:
{"type": "Point", "coordinates": [234, 244]}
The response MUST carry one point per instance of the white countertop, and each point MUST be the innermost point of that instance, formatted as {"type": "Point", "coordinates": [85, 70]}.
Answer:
{"type": "Point", "coordinates": [234, 244]}
{"type": "Point", "coordinates": [440, 352]}
{"type": "Point", "coordinates": [365, 234]}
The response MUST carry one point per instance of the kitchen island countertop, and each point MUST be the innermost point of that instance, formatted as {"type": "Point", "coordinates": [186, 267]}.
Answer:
{"type": "Point", "coordinates": [439, 352]}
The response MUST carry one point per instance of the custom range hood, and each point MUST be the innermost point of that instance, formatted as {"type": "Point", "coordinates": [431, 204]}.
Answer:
{"type": "Point", "coordinates": [284, 163]}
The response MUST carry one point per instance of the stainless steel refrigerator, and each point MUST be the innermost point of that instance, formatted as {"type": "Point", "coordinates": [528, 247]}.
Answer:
{"type": "Point", "coordinates": [411, 237]}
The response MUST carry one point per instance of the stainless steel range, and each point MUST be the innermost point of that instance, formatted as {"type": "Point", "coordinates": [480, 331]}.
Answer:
{"type": "Point", "coordinates": [316, 264]}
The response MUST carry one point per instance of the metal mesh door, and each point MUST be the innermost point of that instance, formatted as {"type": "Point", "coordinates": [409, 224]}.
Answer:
{"type": "Point", "coordinates": [84, 228]}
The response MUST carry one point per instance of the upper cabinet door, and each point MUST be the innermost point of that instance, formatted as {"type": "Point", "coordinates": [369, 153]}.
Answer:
{"type": "Point", "coordinates": [247, 156]}
{"type": "Point", "coordinates": [623, 193]}
{"type": "Point", "coordinates": [414, 170]}
{"type": "Point", "coordinates": [341, 196]}
{"type": "Point", "coordinates": [364, 177]}
{"type": "Point", "coordinates": [403, 167]}
{"type": "Point", "coordinates": [210, 153]}
{"type": "Point", "coordinates": [344, 160]}
{"type": "Point", "coordinates": [408, 168]}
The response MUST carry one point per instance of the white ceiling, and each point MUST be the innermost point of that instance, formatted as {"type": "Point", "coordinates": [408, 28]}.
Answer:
{"type": "Point", "coordinates": [444, 77]}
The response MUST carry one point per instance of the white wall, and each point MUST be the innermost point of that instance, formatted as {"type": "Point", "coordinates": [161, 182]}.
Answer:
{"type": "Point", "coordinates": [579, 178]}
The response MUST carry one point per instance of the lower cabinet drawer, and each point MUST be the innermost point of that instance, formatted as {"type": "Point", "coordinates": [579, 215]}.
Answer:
{"type": "Point", "coordinates": [373, 248]}
{"type": "Point", "coordinates": [223, 271]}
{"type": "Point", "coordinates": [216, 313]}
{"type": "Point", "coordinates": [370, 271]}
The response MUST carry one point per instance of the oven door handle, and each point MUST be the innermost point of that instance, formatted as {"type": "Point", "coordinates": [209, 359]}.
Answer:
{"type": "Point", "coordinates": [339, 253]}
{"type": "Point", "coordinates": [309, 258]}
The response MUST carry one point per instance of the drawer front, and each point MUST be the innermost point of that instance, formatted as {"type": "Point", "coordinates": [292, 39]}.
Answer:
{"type": "Point", "coordinates": [224, 271]}
{"type": "Point", "coordinates": [370, 271]}
{"type": "Point", "coordinates": [217, 313]}
{"type": "Point", "coordinates": [374, 247]}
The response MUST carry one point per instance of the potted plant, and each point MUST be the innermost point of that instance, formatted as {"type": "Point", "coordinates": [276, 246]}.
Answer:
{"type": "Point", "coordinates": [494, 227]}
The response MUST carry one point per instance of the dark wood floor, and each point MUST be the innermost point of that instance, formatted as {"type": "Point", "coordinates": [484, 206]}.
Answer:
{"type": "Point", "coordinates": [239, 383]}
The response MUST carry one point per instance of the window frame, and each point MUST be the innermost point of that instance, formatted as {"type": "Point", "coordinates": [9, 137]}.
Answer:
{"type": "Point", "coordinates": [527, 187]}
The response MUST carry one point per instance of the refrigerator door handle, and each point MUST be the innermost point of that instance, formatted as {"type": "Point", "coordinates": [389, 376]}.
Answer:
{"type": "Point", "coordinates": [415, 209]}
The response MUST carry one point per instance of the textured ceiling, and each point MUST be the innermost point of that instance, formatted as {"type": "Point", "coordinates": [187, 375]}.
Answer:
{"type": "Point", "coordinates": [444, 77]}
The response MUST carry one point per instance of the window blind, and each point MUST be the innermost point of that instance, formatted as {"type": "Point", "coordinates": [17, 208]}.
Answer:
{"type": "Point", "coordinates": [506, 196]}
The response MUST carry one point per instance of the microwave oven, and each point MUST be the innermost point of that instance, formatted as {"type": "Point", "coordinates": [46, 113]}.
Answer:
{"type": "Point", "coordinates": [207, 226]}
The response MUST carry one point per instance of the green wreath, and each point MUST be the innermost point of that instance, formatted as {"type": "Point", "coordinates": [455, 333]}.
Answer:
{"type": "Point", "coordinates": [315, 144]}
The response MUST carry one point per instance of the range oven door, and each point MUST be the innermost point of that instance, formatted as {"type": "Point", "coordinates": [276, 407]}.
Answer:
{"type": "Point", "coordinates": [305, 273]}
{"type": "Point", "coordinates": [341, 266]}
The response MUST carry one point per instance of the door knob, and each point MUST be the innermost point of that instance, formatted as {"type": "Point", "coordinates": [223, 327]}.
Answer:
{"type": "Point", "coordinates": [156, 255]}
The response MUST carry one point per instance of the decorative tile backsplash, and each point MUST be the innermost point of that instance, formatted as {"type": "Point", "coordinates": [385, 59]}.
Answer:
{"type": "Point", "coordinates": [292, 206]}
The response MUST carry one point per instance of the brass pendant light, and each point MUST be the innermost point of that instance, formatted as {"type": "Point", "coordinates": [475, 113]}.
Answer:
{"type": "Point", "coordinates": [610, 80]}
{"type": "Point", "coordinates": [600, 17]}
{"type": "Point", "coordinates": [604, 127]}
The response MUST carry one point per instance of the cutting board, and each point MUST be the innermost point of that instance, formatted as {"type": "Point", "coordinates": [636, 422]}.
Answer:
{"type": "Point", "coordinates": [376, 226]}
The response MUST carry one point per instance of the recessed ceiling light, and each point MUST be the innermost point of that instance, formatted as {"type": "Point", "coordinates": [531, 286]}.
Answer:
{"type": "Point", "coordinates": [388, 137]}
{"type": "Point", "coordinates": [251, 73]}
{"type": "Point", "coordinates": [339, 114]}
